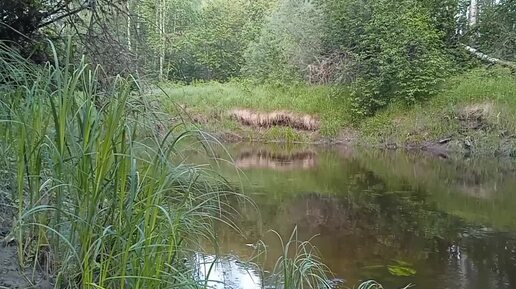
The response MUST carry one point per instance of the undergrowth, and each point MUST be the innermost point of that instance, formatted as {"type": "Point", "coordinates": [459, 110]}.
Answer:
{"type": "Point", "coordinates": [485, 97]}
{"type": "Point", "coordinates": [436, 118]}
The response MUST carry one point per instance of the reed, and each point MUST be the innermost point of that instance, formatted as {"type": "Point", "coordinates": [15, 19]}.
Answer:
{"type": "Point", "coordinates": [102, 199]}
{"type": "Point", "coordinates": [372, 284]}
{"type": "Point", "coordinates": [299, 266]}
{"type": "Point", "coordinates": [98, 205]}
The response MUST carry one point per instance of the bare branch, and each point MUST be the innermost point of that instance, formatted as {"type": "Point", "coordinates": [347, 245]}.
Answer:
{"type": "Point", "coordinates": [77, 10]}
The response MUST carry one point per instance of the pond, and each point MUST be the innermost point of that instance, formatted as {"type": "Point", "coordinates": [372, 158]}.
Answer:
{"type": "Point", "coordinates": [399, 218]}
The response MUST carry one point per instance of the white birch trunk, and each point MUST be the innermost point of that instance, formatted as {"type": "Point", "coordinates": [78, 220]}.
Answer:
{"type": "Point", "coordinates": [488, 58]}
{"type": "Point", "coordinates": [158, 32]}
{"type": "Point", "coordinates": [136, 8]}
{"type": "Point", "coordinates": [129, 46]}
{"type": "Point", "coordinates": [162, 39]}
{"type": "Point", "coordinates": [473, 12]}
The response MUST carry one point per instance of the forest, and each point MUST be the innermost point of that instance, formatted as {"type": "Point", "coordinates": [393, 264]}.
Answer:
{"type": "Point", "coordinates": [103, 101]}
{"type": "Point", "coordinates": [386, 51]}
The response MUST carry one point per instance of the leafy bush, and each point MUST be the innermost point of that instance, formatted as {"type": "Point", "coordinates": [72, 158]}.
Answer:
{"type": "Point", "coordinates": [212, 46]}
{"type": "Point", "coordinates": [399, 52]}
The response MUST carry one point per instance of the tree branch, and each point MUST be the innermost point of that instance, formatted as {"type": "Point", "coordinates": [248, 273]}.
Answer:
{"type": "Point", "coordinates": [17, 31]}
{"type": "Point", "coordinates": [59, 6]}
{"type": "Point", "coordinates": [77, 10]}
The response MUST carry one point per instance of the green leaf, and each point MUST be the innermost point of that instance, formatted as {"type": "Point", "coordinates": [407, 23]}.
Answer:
{"type": "Point", "coordinates": [402, 271]}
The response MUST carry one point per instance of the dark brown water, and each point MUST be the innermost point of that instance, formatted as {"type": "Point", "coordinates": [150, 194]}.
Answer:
{"type": "Point", "coordinates": [452, 222]}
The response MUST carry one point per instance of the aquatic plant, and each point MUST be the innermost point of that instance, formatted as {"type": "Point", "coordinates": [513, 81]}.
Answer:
{"type": "Point", "coordinates": [299, 266]}
{"type": "Point", "coordinates": [372, 284]}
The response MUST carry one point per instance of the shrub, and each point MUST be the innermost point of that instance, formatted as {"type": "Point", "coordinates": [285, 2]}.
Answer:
{"type": "Point", "coordinates": [399, 52]}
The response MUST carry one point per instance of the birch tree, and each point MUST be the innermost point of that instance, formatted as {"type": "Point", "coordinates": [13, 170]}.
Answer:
{"type": "Point", "coordinates": [473, 13]}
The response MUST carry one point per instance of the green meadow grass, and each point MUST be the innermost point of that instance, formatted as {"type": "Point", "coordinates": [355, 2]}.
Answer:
{"type": "Point", "coordinates": [214, 100]}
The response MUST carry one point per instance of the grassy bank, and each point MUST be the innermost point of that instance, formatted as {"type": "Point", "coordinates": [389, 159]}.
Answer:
{"type": "Point", "coordinates": [474, 110]}
{"type": "Point", "coordinates": [209, 103]}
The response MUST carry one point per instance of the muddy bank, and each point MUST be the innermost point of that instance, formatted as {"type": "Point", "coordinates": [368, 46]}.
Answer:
{"type": "Point", "coordinates": [470, 130]}
{"type": "Point", "coordinates": [444, 147]}
{"type": "Point", "coordinates": [243, 134]}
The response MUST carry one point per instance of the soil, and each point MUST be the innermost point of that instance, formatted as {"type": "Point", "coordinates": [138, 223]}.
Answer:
{"type": "Point", "coordinates": [12, 276]}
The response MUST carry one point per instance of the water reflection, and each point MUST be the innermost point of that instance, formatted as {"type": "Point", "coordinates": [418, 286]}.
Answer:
{"type": "Point", "coordinates": [276, 161]}
{"type": "Point", "coordinates": [226, 273]}
{"type": "Point", "coordinates": [371, 208]}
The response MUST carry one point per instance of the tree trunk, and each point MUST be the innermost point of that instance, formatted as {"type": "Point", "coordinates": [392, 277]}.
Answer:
{"type": "Point", "coordinates": [137, 35]}
{"type": "Point", "coordinates": [129, 46]}
{"type": "Point", "coordinates": [160, 19]}
{"type": "Point", "coordinates": [488, 58]}
{"type": "Point", "coordinates": [473, 12]}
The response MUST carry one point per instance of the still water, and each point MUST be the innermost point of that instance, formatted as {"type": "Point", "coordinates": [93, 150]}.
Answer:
{"type": "Point", "coordinates": [450, 223]}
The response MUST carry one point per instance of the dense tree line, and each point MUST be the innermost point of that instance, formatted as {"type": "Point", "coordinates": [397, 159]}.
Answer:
{"type": "Point", "coordinates": [388, 51]}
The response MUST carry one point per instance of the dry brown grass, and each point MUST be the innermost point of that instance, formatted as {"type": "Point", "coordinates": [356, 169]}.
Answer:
{"type": "Point", "coordinates": [476, 110]}
{"type": "Point", "coordinates": [276, 118]}
{"type": "Point", "coordinates": [476, 116]}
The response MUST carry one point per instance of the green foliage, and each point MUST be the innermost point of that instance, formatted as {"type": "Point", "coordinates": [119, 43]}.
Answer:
{"type": "Point", "coordinates": [495, 32]}
{"type": "Point", "coordinates": [216, 40]}
{"type": "Point", "coordinates": [445, 18]}
{"type": "Point", "coordinates": [299, 266]}
{"type": "Point", "coordinates": [400, 54]}
{"type": "Point", "coordinates": [19, 17]}
{"type": "Point", "coordinates": [372, 284]}
{"type": "Point", "coordinates": [213, 46]}
{"type": "Point", "coordinates": [283, 134]}
{"type": "Point", "coordinates": [24, 24]}
{"type": "Point", "coordinates": [494, 88]}
{"type": "Point", "coordinates": [288, 43]}
{"type": "Point", "coordinates": [216, 99]}
{"type": "Point", "coordinates": [401, 268]}
{"type": "Point", "coordinates": [102, 202]}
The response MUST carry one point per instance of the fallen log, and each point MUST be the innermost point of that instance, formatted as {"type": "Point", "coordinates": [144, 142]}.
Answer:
{"type": "Point", "coordinates": [490, 59]}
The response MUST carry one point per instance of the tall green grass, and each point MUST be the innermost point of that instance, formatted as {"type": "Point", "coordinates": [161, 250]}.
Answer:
{"type": "Point", "coordinates": [98, 205]}
{"type": "Point", "coordinates": [372, 284]}
{"type": "Point", "coordinates": [102, 201]}
{"type": "Point", "coordinates": [299, 265]}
